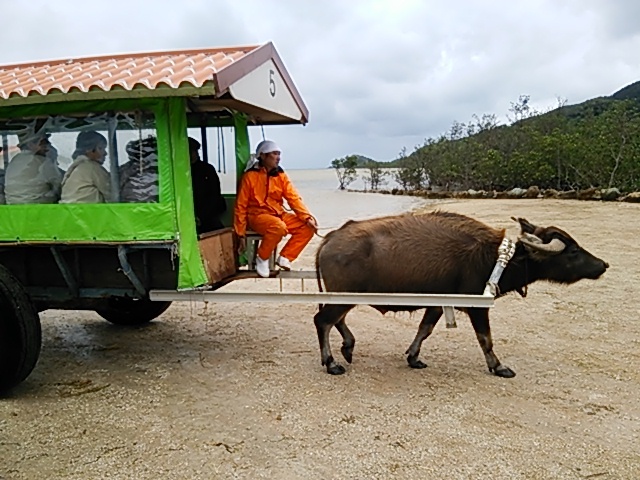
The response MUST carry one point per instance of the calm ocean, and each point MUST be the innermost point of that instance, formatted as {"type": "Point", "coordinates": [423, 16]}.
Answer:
{"type": "Point", "coordinates": [332, 207]}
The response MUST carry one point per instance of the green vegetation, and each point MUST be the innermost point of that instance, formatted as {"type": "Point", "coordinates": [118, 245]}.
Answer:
{"type": "Point", "coordinates": [345, 169]}
{"type": "Point", "coordinates": [374, 176]}
{"type": "Point", "coordinates": [595, 144]}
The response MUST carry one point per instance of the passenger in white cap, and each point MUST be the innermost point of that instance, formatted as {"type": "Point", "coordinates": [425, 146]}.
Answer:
{"type": "Point", "coordinates": [31, 177]}
{"type": "Point", "coordinates": [259, 207]}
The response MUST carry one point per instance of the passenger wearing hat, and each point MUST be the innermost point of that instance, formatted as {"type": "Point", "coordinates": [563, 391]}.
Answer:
{"type": "Point", "coordinates": [86, 180]}
{"type": "Point", "coordinates": [259, 206]}
{"type": "Point", "coordinates": [208, 202]}
{"type": "Point", "coordinates": [31, 177]}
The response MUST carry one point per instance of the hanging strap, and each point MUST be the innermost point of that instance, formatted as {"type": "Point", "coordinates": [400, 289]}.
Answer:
{"type": "Point", "coordinates": [505, 251]}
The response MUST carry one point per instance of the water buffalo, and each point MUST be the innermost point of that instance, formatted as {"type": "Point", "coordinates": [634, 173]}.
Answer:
{"type": "Point", "coordinates": [438, 253]}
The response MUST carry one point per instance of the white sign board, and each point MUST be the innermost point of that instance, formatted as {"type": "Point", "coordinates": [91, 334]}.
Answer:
{"type": "Point", "coordinates": [265, 88]}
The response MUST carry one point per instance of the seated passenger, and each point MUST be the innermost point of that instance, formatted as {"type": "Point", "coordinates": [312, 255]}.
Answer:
{"type": "Point", "coordinates": [139, 176]}
{"type": "Point", "coordinates": [259, 206]}
{"type": "Point", "coordinates": [31, 177]}
{"type": "Point", "coordinates": [208, 202]}
{"type": "Point", "coordinates": [86, 180]}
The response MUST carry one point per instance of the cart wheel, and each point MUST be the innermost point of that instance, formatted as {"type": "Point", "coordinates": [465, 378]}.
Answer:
{"type": "Point", "coordinates": [132, 311]}
{"type": "Point", "coordinates": [20, 333]}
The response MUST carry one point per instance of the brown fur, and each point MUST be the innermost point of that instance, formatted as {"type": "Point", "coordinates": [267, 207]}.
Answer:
{"type": "Point", "coordinates": [437, 252]}
{"type": "Point", "coordinates": [388, 254]}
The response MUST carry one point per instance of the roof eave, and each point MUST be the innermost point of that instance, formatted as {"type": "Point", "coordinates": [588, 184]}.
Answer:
{"type": "Point", "coordinates": [224, 78]}
{"type": "Point", "coordinates": [112, 94]}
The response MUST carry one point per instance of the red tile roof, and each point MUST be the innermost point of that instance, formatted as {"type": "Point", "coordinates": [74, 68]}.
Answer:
{"type": "Point", "coordinates": [195, 68]}
{"type": "Point", "coordinates": [209, 72]}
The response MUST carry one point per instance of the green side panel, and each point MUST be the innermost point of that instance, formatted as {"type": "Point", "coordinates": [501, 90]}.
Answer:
{"type": "Point", "coordinates": [191, 271]}
{"type": "Point", "coordinates": [243, 150]}
{"type": "Point", "coordinates": [165, 155]}
{"type": "Point", "coordinates": [243, 153]}
{"type": "Point", "coordinates": [95, 222]}
{"type": "Point", "coordinates": [87, 222]}
{"type": "Point", "coordinates": [170, 219]}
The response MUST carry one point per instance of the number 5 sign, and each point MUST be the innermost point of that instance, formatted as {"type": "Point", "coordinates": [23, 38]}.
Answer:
{"type": "Point", "coordinates": [272, 83]}
{"type": "Point", "coordinates": [264, 87]}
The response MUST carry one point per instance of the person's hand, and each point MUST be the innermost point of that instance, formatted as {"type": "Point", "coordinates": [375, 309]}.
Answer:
{"type": "Point", "coordinates": [313, 224]}
{"type": "Point", "coordinates": [242, 245]}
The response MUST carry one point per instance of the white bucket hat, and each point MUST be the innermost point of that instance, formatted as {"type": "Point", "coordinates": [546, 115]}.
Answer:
{"type": "Point", "coordinates": [30, 135]}
{"type": "Point", "coordinates": [267, 146]}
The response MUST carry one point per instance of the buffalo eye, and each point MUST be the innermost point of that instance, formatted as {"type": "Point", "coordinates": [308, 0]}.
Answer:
{"type": "Point", "coordinates": [573, 250]}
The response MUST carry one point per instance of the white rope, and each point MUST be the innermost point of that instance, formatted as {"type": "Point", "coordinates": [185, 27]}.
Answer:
{"type": "Point", "coordinates": [505, 251]}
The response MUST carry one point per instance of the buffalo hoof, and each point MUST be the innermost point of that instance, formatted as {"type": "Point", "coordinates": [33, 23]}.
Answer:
{"type": "Point", "coordinates": [415, 362]}
{"type": "Point", "coordinates": [336, 369]}
{"type": "Point", "coordinates": [347, 353]}
{"type": "Point", "coordinates": [504, 372]}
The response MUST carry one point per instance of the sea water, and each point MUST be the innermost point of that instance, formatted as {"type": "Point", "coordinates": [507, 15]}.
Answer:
{"type": "Point", "coordinates": [331, 206]}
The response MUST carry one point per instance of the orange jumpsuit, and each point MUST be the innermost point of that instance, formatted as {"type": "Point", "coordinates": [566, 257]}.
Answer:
{"type": "Point", "coordinates": [259, 206]}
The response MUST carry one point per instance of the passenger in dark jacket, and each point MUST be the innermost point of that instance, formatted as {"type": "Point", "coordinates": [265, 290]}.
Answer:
{"type": "Point", "coordinates": [208, 202]}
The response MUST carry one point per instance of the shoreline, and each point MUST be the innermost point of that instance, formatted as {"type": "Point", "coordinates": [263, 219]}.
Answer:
{"type": "Point", "coordinates": [590, 194]}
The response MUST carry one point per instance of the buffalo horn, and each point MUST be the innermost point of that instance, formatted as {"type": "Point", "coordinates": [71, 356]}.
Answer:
{"type": "Point", "coordinates": [554, 246]}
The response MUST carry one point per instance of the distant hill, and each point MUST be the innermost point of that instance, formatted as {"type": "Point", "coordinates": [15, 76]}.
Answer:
{"type": "Point", "coordinates": [598, 105]}
{"type": "Point", "coordinates": [630, 92]}
{"type": "Point", "coordinates": [589, 108]}
{"type": "Point", "coordinates": [363, 161]}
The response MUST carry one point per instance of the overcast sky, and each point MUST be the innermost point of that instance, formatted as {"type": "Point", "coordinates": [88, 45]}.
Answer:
{"type": "Point", "coordinates": [376, 76]}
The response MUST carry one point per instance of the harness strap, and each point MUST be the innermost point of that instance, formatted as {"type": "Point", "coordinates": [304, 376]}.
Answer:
{"type": "Point", "coordinates": [505, 252]}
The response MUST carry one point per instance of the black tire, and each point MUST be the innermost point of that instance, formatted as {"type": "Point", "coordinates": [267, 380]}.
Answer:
{"type": "Point", "coordinates": [20, 332]}
{"type": "Point", "coordinates": [132, 311]}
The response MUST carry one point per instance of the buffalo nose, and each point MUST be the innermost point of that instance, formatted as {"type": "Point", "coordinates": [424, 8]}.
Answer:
{"type": "Point", "coordinates": [606, 265]}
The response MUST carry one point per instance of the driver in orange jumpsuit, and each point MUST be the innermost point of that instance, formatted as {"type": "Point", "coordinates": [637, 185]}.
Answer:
{"type": "Point", "coordinates": [259, 207]}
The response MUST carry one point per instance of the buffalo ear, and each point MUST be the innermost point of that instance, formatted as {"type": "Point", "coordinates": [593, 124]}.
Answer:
{"type": "Point", "coordinates": [525, 226]}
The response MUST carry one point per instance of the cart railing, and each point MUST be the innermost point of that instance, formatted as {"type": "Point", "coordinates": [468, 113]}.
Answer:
{"type": "Point", "coordinates": [341, 298]}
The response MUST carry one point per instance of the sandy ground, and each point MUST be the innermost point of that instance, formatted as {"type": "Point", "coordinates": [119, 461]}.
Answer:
{"type": "Point", "coordinates": [237, 390]}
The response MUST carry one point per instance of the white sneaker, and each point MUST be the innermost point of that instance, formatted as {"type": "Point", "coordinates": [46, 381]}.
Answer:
{"type": "Point", "coordinates": [283, 263]}
{"type": "Point", "coordinates": [262, 267]}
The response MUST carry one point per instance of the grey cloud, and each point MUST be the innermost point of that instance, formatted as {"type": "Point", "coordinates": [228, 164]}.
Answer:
{"type": "Point", "coordinates": [619, 18]}
{"type": "Point", "coordinates": [376, 76]}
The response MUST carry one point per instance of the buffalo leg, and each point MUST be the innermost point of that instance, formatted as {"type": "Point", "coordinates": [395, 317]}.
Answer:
{"type": "Point", "coordinates": [327, 317]}
{"type": "Point", "coordinates": [480, 321]}
{"type": "Point", "coordinates": [428, 323]}
{"type": "Point", "coordinates": [348, 340]}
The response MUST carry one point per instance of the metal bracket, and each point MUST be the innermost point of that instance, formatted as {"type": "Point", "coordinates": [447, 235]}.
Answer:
{"type": "Point", "coordinates": [63, 266]}
{"type": "Point", "coordinates": [128, 271]}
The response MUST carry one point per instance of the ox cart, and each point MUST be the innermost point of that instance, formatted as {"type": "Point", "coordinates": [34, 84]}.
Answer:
{"type": "Point", "coordinates": [129, 258]}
